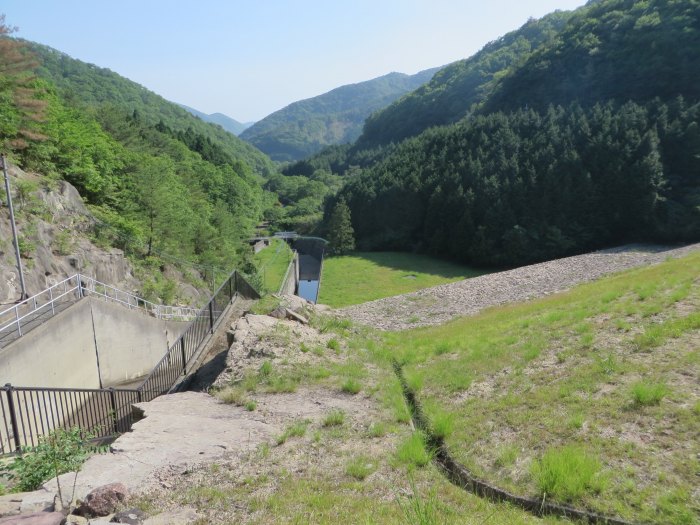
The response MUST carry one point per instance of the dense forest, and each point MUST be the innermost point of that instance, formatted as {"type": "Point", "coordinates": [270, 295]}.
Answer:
{"type": "Point", "coordinates": [336, 117]}
{"type": "Point", "coordinates": [161, 184]}
{"type": "Point", "coordinates": [590, 140]}
{"type": "Point", "coordinates": [455, 89]}
{"type": "Point", "coordinates": [514, 188]}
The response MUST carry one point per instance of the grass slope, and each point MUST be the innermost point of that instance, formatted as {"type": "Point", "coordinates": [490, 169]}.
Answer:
{"type": "Point", "coordinates": [362, 277]}
{"type": "Point", "coordinates": [272, 263]}
{"type": "Point", "coordinates": [591, 396]}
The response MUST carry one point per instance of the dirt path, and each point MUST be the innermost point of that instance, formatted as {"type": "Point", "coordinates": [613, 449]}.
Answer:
{"type": "Point", "coordinates": [439, 304]}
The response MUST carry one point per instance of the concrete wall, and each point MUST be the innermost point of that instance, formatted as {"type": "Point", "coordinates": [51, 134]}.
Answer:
{"type": "Point", "coordinates": [130, 343]}
{"type": "Point", "coordinates": [63, 352]}
{"type": "Point", "coordinates": [289, 286]}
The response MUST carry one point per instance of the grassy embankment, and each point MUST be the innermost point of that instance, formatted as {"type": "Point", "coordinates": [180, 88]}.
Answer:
{"type": "Point", "coordinates": [590, 396]}
{"type": "Point", "coordinates": [366, 276]}
{"type": "Point", "coordinates": [272, 264]}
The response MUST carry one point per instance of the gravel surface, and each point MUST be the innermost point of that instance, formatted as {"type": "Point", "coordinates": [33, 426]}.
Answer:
{"type": "Point", "coordinates": [439, 304]}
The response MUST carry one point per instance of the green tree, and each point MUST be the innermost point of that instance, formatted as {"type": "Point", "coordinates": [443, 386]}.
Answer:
{"type": "Point", "coordinates": [21, 103]}
{"type": "Point", "coordinates": [341, 236]}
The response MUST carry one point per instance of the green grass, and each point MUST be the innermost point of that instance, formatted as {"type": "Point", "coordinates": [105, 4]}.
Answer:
{"type": "Point", "coordinates": [564, 371]}
{"type": "Point", "coordinates": [365, 276]}
{"type": "Point", "coordinates": [334, 418]}
{"type": "Point", "coordinates": [378, 429]}
{"type": "Point", "coordinates": [351, 386]}
{"type": "Point", "coordinates": [296, 429]}
{"type": "Point", "coordinates": [567, 474]}
{"type": "Point", "coordinates": [412, 452]}
{"type": "Point", "coordinates": [360, 467]}
{"type": "Point", "coordinates": [648, 394]}
{"type": "Point", "coordinates": [272, 264]}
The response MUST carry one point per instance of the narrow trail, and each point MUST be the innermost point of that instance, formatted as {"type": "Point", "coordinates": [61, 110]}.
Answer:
{"type": "Point", "coordinates": [439, 304]}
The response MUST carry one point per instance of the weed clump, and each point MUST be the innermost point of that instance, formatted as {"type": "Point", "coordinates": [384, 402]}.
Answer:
{"type": "Point", "coordinates": [351, 386]}
{"type": "Point", "coordinates": [567, 474]}
{"type": "Point", "coordinates": [413, 452]}
{"type": "Point", "coordinates": [334, 418]}
{"type": "Point", "coordinates": [296, 429]}
{"type": "Point", "coordinates": [360, 467]}
{"type": "Point", "coordinates": [648, 394]}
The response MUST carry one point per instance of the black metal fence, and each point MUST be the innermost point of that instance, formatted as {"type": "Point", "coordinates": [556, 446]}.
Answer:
{"type": "Point", "coordinates": [27, 413]}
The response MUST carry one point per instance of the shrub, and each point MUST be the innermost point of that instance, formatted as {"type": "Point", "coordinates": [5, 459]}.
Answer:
{"type": "Point", "coordinates": [59, 452]}
{"type": "Point", "coordinates": [567, 473]}
{"type": "Point", "coordinates": [251, 405]}
{"type": "Point", "coordinates": [333, 344]}
{"type": "Point", "coordinates": [63, 243]}
{"type": "Point", "coordinates": [648, 394]}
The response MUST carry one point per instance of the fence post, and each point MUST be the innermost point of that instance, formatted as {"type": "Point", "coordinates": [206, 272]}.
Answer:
{"type": "Point", "coordinates": [211, 315]}
{"type": "Point", "coordinates": [13, 416]}
{"type": "Point", "coordinates": [230, 289]}
{"type": "Point", "coordinates": [19, 324]}
{"type": "Point", "coordinates": [113, 401]}
{"type": "Point", "coordinates": [184, 357]}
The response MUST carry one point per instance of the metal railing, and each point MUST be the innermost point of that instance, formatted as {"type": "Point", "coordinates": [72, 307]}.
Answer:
{"type": "Point", "coordinates": [26, 413]}
{"type": "Point", "coordinates": [18, 319]}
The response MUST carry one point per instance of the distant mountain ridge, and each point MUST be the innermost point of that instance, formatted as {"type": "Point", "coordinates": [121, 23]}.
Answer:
{"type": "Point", "coordinates": [229, 124]}
{"type": "Point", "coordinates": [336, 117]}
{"type": "Point", "coordinates": [457, 87]}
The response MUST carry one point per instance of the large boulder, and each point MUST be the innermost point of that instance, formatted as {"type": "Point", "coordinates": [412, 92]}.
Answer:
{"type": "Point", "coordinates": [41, 500]}
{"type": "Point", "coordinates": [10, 504]}
{"type": "Point", "coordinates": [103, 500]}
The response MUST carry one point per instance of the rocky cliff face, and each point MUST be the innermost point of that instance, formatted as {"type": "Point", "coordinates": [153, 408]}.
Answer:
{"type": "Point", "coordinates": [53, 224]}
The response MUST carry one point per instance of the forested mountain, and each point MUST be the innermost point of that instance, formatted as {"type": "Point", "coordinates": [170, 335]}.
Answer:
{"type": "Point", "coordinates": [611, 50]}
{"type": "Point", "coordinates": [592, 140]}
{"type": "Point", "coordinates": [457, 87]}
{"type": "Point", "coordinates": [94, 86]}
{"type": "Point", "coordinates": [229, 124]}
{"type": "Point", "coordinates": [162, 185]}
{"type": "Point", "coordinates": [336, 117]}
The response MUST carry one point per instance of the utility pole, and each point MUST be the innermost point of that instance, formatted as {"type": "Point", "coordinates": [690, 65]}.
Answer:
{"type": "Point", "coordinates": [14, 228]}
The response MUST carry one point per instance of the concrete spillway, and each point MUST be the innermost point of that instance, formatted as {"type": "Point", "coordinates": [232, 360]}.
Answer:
{"type": "Point", "coordinates": [310, 265]}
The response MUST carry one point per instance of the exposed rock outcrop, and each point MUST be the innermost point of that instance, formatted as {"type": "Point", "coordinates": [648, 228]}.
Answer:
{"type": "Point", "coordinates": [55, 237]}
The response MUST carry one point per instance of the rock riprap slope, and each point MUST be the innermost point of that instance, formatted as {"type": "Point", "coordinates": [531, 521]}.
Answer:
{"type": "Point", "coordinates": [442, 303]}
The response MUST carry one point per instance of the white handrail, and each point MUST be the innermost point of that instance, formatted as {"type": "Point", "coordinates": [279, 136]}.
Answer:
{"type": "Point", "coordinates": [82, 286]}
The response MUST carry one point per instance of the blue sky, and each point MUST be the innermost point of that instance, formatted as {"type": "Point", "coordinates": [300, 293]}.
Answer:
{"type": "Point", "coordinates": [249, 58]}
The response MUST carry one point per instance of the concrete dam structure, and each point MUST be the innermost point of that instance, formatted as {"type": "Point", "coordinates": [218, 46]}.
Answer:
{"type": "Point", "coordinates": [91, 344]}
